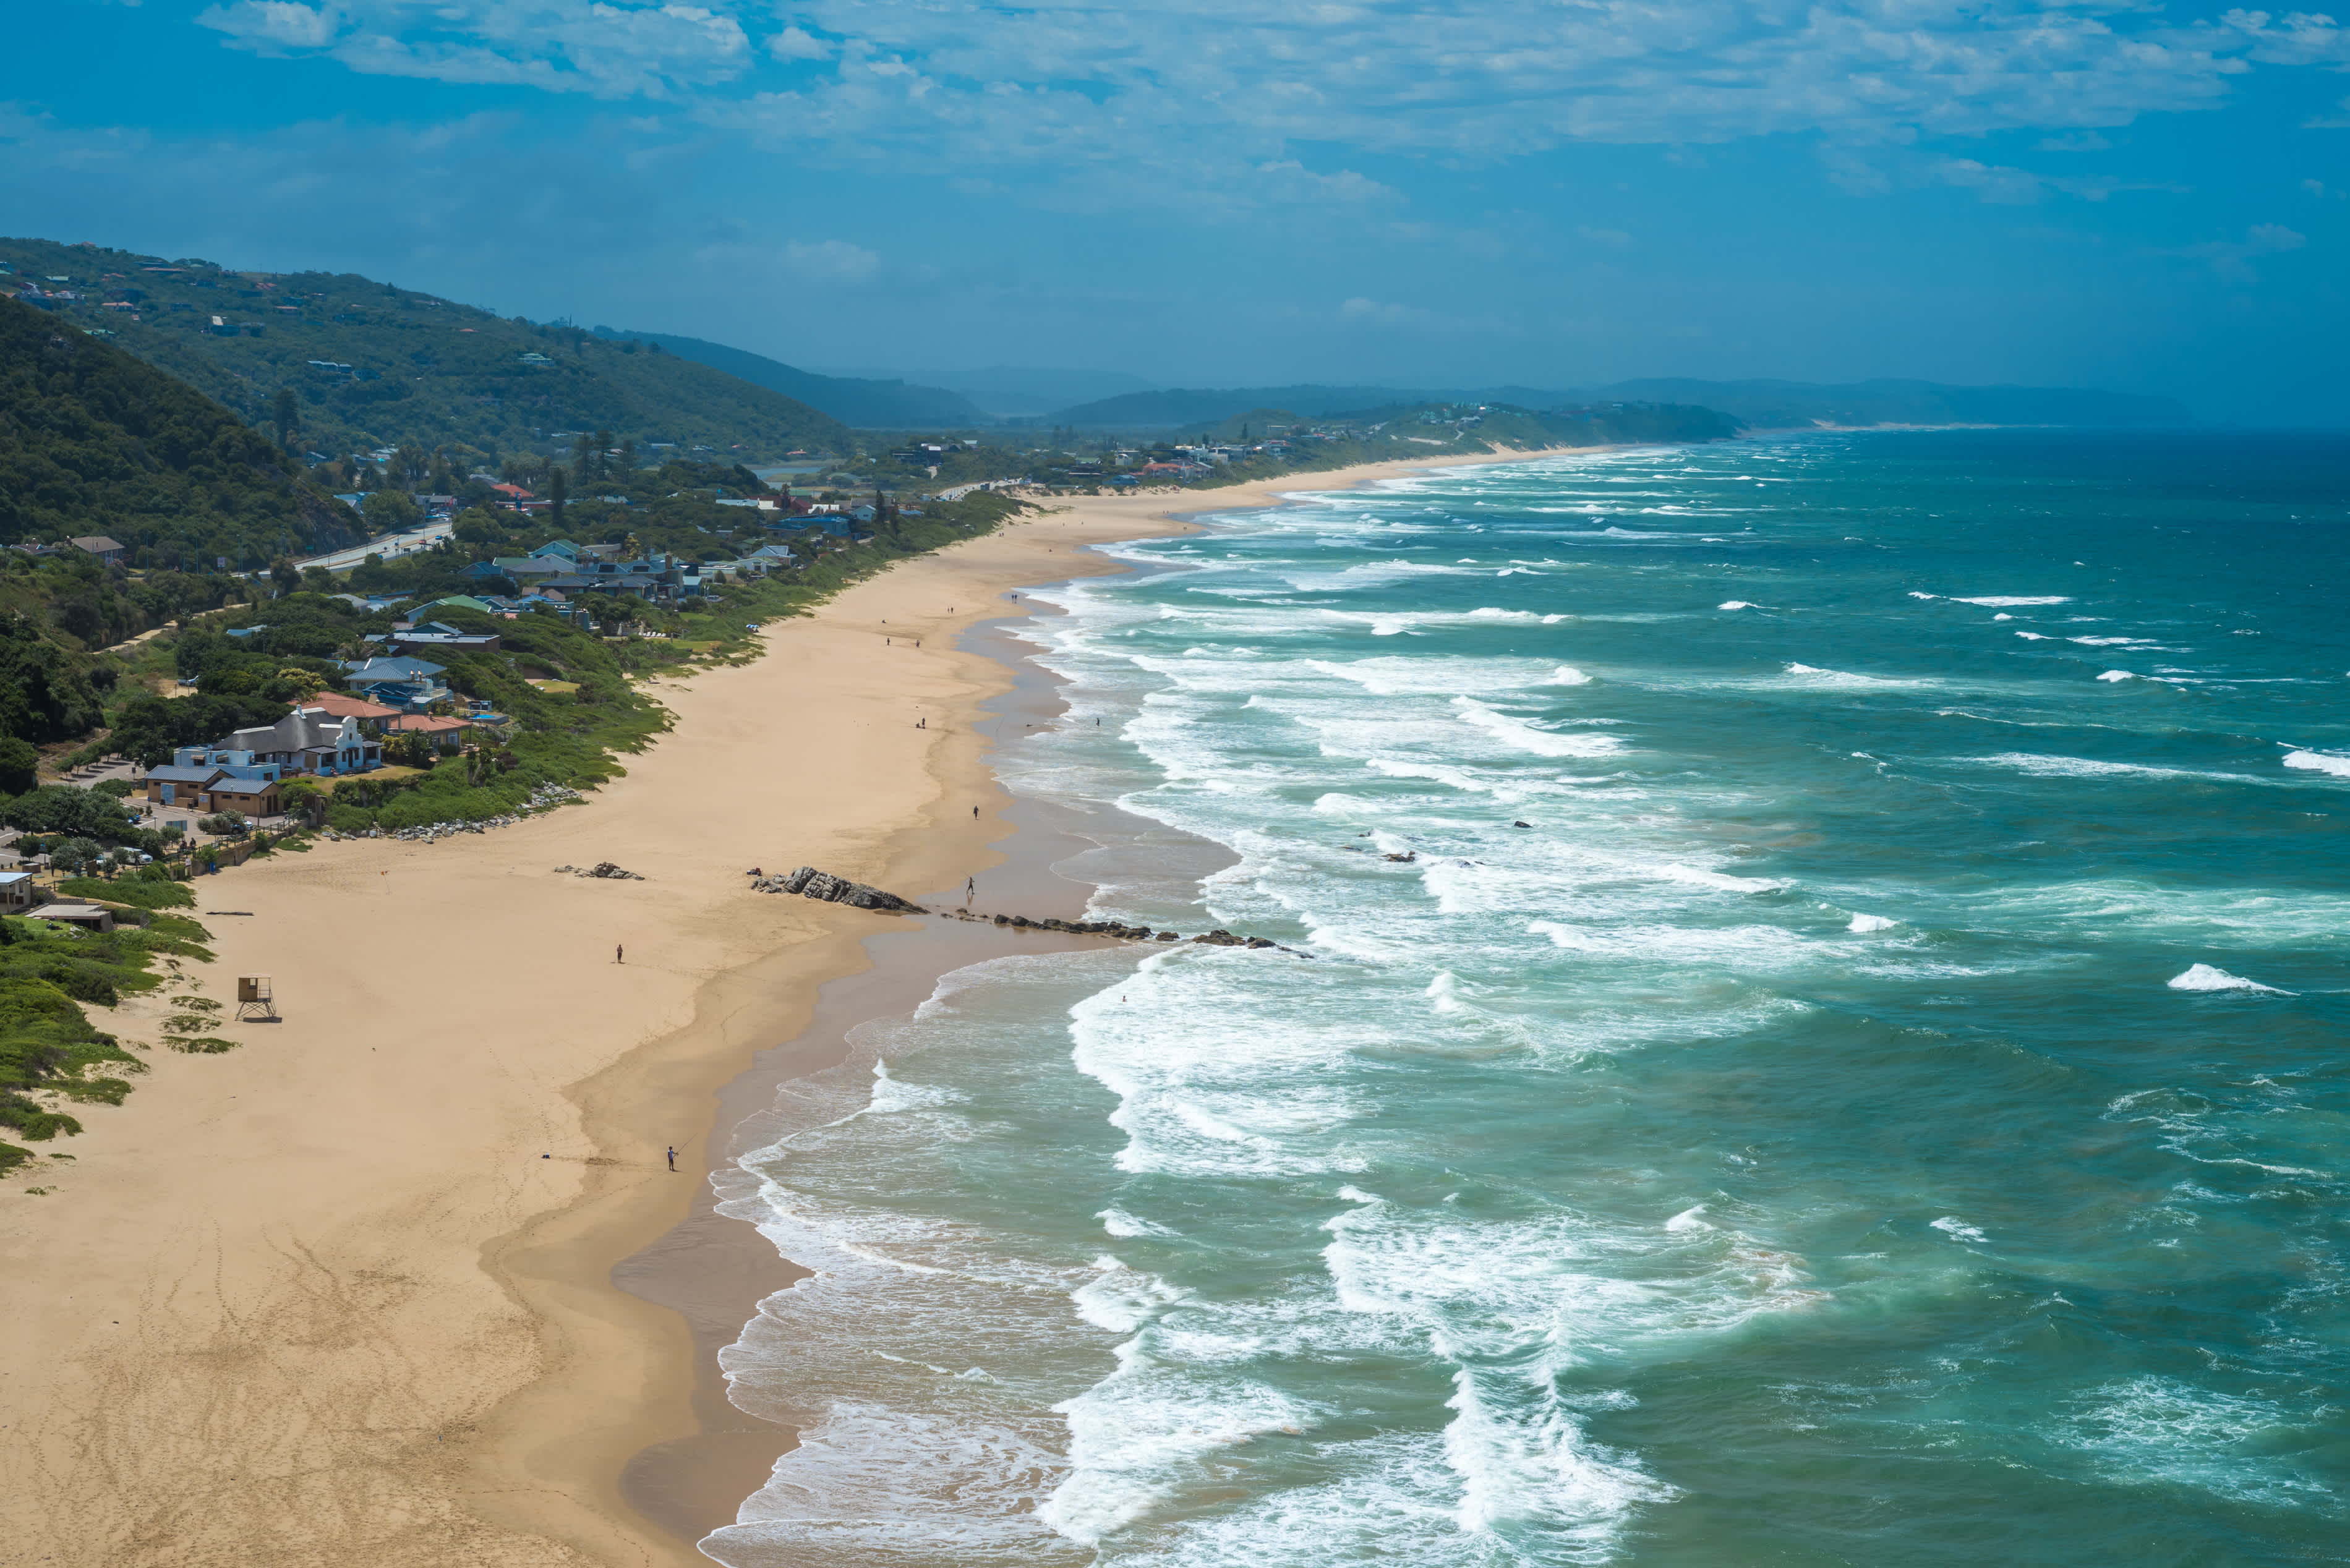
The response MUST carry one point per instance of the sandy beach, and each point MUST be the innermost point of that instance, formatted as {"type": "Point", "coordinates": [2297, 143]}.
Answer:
{"type": "Point", "coordinates": [345, 1294]}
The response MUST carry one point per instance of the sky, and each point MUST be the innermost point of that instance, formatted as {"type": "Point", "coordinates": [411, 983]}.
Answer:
{"type": "Point", "coordinates": [1545, 192]}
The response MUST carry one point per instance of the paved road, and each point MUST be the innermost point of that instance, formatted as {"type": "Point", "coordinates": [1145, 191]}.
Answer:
{"type": "Point", "coordinates": [389, 545]}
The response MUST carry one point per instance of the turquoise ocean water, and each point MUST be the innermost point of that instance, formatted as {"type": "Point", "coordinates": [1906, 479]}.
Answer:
{"type": "Point", "coordinates": [1885, 1105]}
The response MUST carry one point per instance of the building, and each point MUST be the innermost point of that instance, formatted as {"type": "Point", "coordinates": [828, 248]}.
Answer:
{"type": "Point", "coordinates": [307, 741]}
{"type": "Point", "coordinates": [104, 549]}
{"type": "Point", "coordinates": [17, 892]}
{"type": "Point", "coordinates": [372, 716]}
{"type": "Point", "coordinates": [444, 732]}
{"type": "Point", "coordinates": [217, 778]}
{"type": "Point", "coordinates": [407, 684]}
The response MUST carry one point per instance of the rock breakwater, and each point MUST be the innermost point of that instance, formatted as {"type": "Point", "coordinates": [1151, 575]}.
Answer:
{"type": "Point", "coordinates": [810, 883]}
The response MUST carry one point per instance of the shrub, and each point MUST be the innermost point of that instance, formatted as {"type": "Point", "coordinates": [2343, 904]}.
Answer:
{"type": "Point", "coordinates": [61, 808]}
{"type": "Point", "coordinates": [150, 888]}
{"type": "Point", "coordinates": [224, 824]}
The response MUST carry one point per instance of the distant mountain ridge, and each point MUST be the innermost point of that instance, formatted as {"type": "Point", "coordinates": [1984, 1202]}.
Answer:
{"type": "Point", "coordinates": [1760, 404]}
{"type": "Point", "coordinates": [853, 400]}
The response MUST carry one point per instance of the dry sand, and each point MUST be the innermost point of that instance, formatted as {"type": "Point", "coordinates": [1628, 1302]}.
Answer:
{"type": "Point", "coordinates": [344, 1296]}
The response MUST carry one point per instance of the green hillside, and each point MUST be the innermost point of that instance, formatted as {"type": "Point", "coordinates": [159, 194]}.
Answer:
{"type": "Point", "coordinates": [94, 442]}
{"type": "Point", "coordinates": [376, 366]}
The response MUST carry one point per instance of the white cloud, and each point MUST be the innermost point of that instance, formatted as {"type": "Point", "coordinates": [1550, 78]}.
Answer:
{"type": "Point", "coordinates": [279, 24]}
{"type": "Point", "coordinates": [2231, 259]}
{"type": "Point", "coordinates": [798, 44]}
{"type": "Point", "coordinates": [830, 261]}
{"type": "Point", "coordinates": [561, 46]}
{"type": "Point", "coordinates": [1227, 88]}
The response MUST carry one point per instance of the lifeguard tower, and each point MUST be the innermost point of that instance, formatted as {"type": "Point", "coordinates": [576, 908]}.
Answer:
{"type": "Point", "coordinates": [253, 999]}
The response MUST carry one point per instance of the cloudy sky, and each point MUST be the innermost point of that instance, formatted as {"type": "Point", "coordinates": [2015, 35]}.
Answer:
{"type": "Point", "coordinates": [1202, 192]}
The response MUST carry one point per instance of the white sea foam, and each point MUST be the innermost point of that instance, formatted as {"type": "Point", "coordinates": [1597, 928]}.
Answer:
{"type": "Point", "coordinates": [2165, 1430]}
{"type": "Point", "coordinates": [1834, 678]}
{"type": "Point", "coordinates": [2039, 766]}
{"type": "Point", "coordinates": [2034, 637]}
{"type": "Point", "coordinates": [1526, 737]}
{"type": "Point", "coordinates": [1699, 877]}
{"type": "Point", "coordinates": [2204, 977]}
{"type": "Point", "coordinates": [2118, 675]}
{"type": "Point", "coordinates": [1568, 675]}
{"type": "Point", "coordinates": [1865, 923]}
{"type": "Point", "coordinates": [2320, 761]}
{"type": "Point", "coordinates": [1916, 594]}
{"type": "Point", "coordinates": [1125, 1226]}
{"type": "Point", "coordinates": [1138, 1438]}
{"type": "Point", "coordinates": [1122, 1300]}
{"type": "Point", "coordinates": [1734, 604]}
{"type": "Point", "coordinates": [1950, 1225]}
{"type": "Point", "coordinates": [2006, 601]}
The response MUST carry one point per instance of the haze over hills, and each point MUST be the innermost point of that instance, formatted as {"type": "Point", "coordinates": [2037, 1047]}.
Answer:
{"type": "Point", "coordinates": [374, 365]}
{"type": "Point", "coordinates": [1015, 391]}
{"type": "Point", "coordinates": [873, 402]}
{"type": "Point", "coordinates": [1761, 405]}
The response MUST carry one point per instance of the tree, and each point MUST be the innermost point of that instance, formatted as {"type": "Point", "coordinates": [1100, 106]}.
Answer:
{"type": "Point", "coordinates": [307, 683]}
{"type": "Point", "coordinates": [479, 525]}
{"type": "Point", "coordinates": [286, 416]}
{"type": "Point", "coordinates": [389, 511]}
{"type": "Point", "coordinates": [286, 575]}
{"type": "Point", "coordinates": [307, 799]}
{"type": "Point", "coordinates": [558, 489]}
{"type": "Point", "coordinates": [18, 763]}
{"type": "Point", "coordinates": [79, 813]}
{"type": "Point", "coordinates": [603, 446]}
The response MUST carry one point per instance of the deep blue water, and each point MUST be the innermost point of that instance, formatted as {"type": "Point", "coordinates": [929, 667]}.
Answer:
{"type": "Point", "coordinates": [1885, 1105]}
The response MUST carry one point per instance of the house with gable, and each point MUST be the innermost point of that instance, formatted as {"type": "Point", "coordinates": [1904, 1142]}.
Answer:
{"type": "Point", "coordinates": [307, 741]}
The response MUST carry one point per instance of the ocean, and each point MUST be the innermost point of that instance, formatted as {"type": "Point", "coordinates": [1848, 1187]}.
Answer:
{"type": "Point", "coordinates": [1815, 1035]}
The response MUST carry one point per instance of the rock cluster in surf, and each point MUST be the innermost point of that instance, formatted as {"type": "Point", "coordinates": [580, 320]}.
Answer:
{"type": "Point", "coordinates": [810, 883]}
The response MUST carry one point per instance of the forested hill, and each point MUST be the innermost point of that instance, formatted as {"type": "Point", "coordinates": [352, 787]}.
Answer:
{"type": "Point", "coordinates": [376, 366]}
{"type": "Point", "coordinates": [95, 442]}
{"type": "Point", "coordinates": [872, 405]}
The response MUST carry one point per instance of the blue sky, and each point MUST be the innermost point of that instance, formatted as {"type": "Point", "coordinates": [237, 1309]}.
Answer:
{"type": "Point", "coordinates": [2134, 196]}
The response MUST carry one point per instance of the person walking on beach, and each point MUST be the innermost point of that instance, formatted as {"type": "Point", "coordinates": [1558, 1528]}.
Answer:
{"type": "Point", "coordinates": [616, 953]}
{"type": "Point", "coordinates": [672, 1157]}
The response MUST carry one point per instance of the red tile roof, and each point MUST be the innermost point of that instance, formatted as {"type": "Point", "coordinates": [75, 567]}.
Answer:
{"type": "Point", "coordinates": [343, 705]}
{"type": "Point", "coordinates": [429, 723]}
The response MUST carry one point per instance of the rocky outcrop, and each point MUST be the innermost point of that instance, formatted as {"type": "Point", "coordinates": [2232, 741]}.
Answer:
{"type": "Point", "coordinates": [603, 868]}
{"type": "Point", "coordinates": [810, 883]}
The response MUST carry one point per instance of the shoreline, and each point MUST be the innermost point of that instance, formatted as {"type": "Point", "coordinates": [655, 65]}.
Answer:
{"type": "Point", "coordinates": [349, 1290]}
